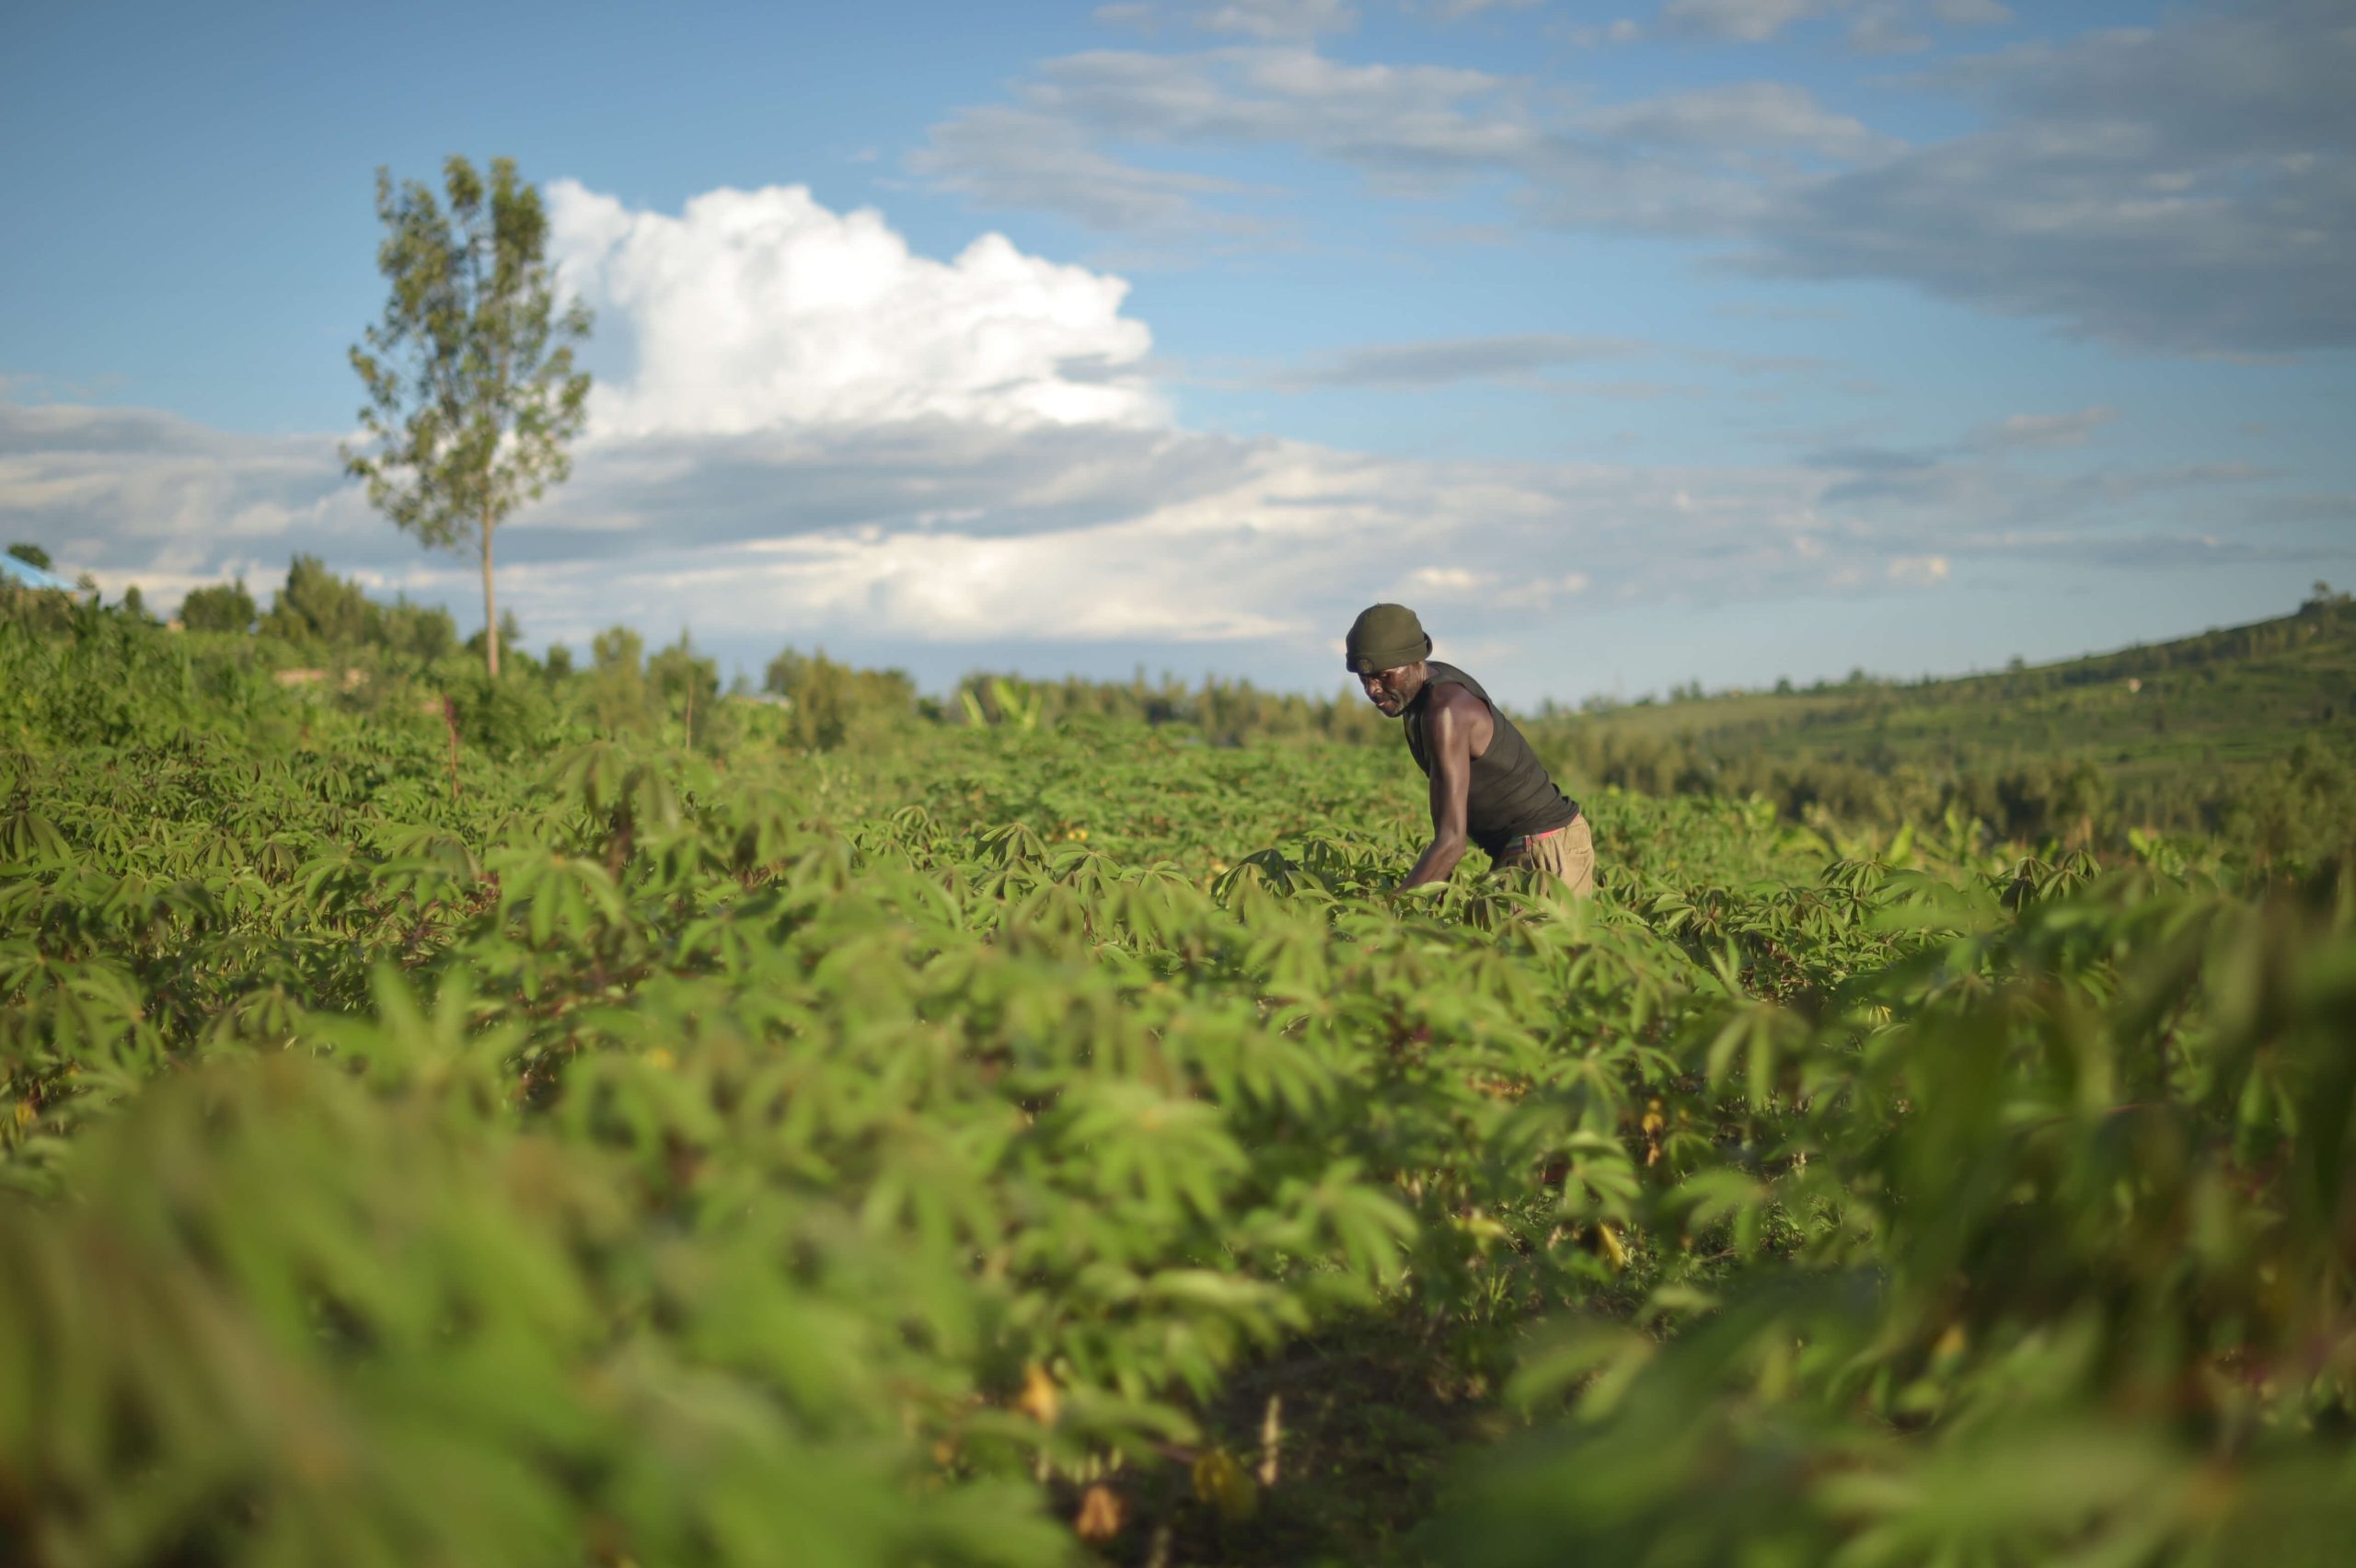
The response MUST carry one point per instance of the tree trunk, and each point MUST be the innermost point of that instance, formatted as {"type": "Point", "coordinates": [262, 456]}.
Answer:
{"type": "Point", "coordinates": [490, 602]}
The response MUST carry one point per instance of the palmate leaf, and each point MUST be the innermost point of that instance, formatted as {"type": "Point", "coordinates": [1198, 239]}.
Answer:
{"type": "Point", "coordinates": [1755, 1037]}
{"type": "Point", "coordinates": [1170, 1155]}
{"type": "Point", "coordinates": [93, 1013]}
{"type": "Point", "coordinates": [938, 1188]}
{"type": "Point", "coordinates": [27, 838]}
{"type": "Point", "coordinates": [561, 900]}
{"type": "Point", "coordinates": [1724, 1196]}
{"type": "Point", "coordinates": [1367, 1227]}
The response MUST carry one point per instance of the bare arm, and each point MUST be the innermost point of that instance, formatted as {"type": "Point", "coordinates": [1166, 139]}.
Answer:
{"type": "Point", "coordinates": [1455, 715]}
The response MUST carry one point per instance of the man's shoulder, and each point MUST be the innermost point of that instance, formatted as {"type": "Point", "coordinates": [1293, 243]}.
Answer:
{"type": "Point", "coordinates": [1456, 697]}
{"type": "Point", "coordinates": [1448, 678]}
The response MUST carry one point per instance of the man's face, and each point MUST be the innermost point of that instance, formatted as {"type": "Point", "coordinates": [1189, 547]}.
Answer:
{"type": "Point", "coordinates": [1389, 690]}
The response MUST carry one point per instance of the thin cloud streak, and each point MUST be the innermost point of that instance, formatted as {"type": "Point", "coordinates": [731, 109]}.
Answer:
{"type": "Point", "coordinates": [1439, 361]}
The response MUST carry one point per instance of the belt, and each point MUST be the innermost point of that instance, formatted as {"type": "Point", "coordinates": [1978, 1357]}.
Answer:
{"type": "Point", "coordinates": [1520, 842]}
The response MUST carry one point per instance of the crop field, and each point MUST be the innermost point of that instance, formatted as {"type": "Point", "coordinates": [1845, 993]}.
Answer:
{"type": "Point", "coordinates": [1053, 1143]}
{"type": "Point", "coordinates": [2242, 732]}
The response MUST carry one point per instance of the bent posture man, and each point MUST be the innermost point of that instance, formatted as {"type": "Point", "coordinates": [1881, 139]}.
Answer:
{"type": "Point", "coordinates": [1487, 786]}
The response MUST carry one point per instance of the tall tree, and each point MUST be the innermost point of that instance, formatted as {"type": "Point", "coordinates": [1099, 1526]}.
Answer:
{"type": "Point", "coordinates": [472, 393]}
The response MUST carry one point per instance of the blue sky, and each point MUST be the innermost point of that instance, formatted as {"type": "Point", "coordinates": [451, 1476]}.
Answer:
{"type": "Point", "coordinates": [1631, 344]}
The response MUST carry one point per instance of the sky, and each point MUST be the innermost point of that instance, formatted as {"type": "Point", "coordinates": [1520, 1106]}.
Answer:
{"type": "Point", "coordinates": [1632, 344]}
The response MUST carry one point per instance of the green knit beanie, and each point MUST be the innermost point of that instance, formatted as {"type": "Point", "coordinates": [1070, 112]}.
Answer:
{"type": "Point", "coordinates": [1386, 636]}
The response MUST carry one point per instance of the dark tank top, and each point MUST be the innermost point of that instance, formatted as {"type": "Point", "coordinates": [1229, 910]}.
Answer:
{"type": "Point", "coordinates": [1510, 794]}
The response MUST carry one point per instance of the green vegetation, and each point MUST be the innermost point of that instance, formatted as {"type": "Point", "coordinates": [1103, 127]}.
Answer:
{"type": "Point", "coordinates": [2242, 733]}
{"type": "Point", "coordinates": [579, 1118]}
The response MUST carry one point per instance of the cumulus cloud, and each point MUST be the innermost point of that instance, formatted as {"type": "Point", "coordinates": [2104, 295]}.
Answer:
{"type": "Point", "coordinates": [754, 309]}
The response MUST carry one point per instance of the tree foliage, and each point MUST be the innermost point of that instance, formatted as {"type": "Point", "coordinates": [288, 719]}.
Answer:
{"type": "Point", "coordinates": [472, 392]}
{"type": "Point", "coordinates": [316, 609]}
{"type": "Point", "coordinates": [221, 606]}
{"type": "Point", "coordinates": [827, 703]}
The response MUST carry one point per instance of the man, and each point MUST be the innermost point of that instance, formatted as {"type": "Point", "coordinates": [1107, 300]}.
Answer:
{"type": "Point", "coordinates": [1488, 787]}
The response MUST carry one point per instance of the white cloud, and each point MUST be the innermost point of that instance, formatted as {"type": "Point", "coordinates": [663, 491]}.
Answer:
{"type": "Point", "coordinates": [2182, 187]}
{"type": "Point", "coordinates": [2045, 432]}
{"type": "Point", "coordinates": [1457, 11]}
{"type": "Point", "coordinates": [898, 538]}
{"type": "Point", "coordinates": [1407, 128]}
{"type": "Point", "coordinates": [754, 309]}
{"type": "Point", "coordinates": [924, 533]}
{"type": "Point", "coordinates": [1877, 26]}
{"type": "Point", "coordinates": [1449, 580]}
{"type": "Point", "coordinates": [1703, 161]}
{"type": "Point", "coordinates": [1587, 35]}
{"type": "Point", "coordinates": [1279, 18]}
{"type": "Point", "coordinates": [1005, 156]}
{"type": "Point", "coordinates": [1886, 28]}
{"type": "Point", "coordinates": [1747, 21]}
{"type": "Point", "coordinates": [1773, 116]}
{"type": "Point", "coordinates": [1262, 19]}
{"type": "Point", "coordinates": [1520, 359]}
{"type": "Point", "coordinates": [1441, 361]}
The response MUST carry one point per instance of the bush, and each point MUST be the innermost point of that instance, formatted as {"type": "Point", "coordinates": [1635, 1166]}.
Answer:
{"type": "Point", "coordinates": [224, 607]}
{"type": "Point", "coordinates": [318, 610]}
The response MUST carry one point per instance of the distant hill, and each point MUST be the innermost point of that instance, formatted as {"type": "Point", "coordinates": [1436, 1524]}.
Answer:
{"type": "Point", "coordinates": [2169, 731]}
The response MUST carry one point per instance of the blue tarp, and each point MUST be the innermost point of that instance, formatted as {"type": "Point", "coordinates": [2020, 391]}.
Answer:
{"type": "Point", "coordinates": [29, 576]}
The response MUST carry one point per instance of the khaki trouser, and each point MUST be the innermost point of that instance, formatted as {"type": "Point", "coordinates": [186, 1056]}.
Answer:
{"type": "Point", "coordinates": [1567, 855]}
